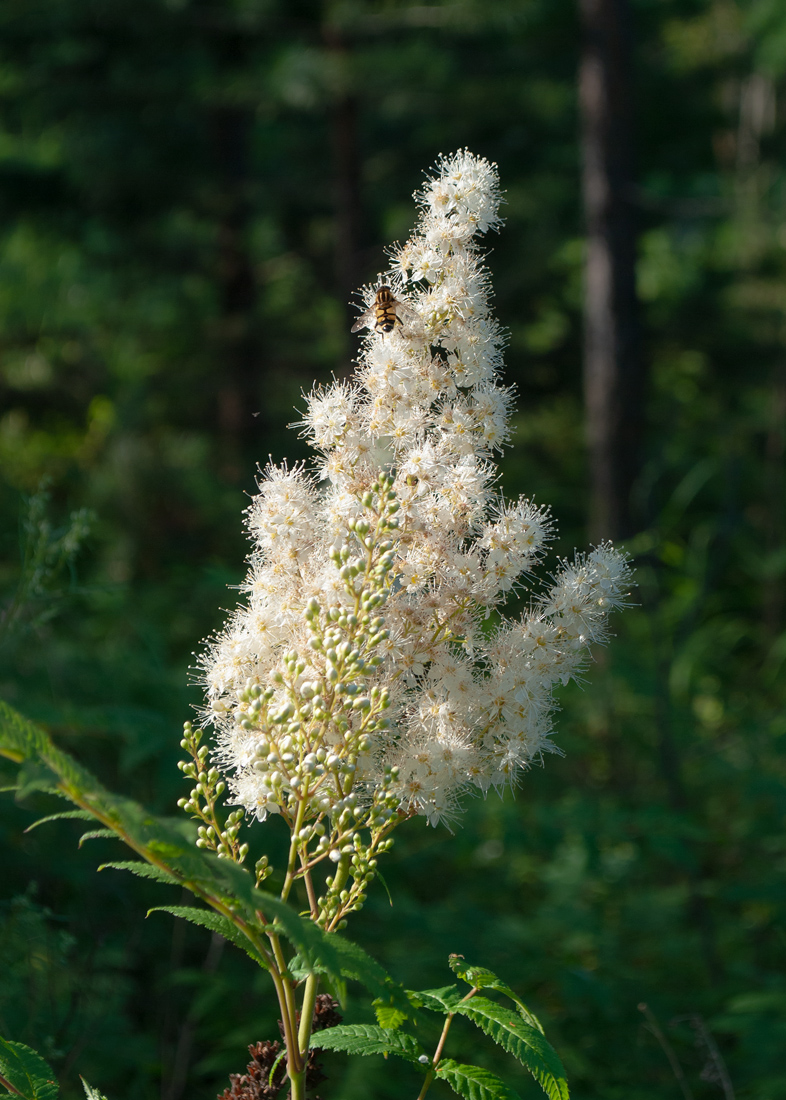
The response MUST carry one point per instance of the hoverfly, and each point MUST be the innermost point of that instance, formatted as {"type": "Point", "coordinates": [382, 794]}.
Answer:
{"type": "Point", "coordinates": [385, 312]}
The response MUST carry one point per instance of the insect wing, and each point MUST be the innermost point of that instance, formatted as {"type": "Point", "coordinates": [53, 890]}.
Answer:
{"type": "Point", "coordinates": [405, 314]}
{"type": "Point", "coordinates": [365, 320]}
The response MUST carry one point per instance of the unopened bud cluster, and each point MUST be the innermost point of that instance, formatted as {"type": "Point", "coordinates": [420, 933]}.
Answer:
{"type": "Point", "coordinates": [205, 797]}
{"type": "Point", "coordinates": [357, 686]}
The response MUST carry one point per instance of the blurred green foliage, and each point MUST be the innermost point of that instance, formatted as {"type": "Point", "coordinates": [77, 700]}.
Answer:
{"type": "Point", "coordinates": [145, 148]}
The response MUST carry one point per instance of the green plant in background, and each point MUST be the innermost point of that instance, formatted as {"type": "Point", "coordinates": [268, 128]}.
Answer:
{"type": "Point", "coordinates": [372, 677]}
{"type": "Point", "coordinates": [46, 553]}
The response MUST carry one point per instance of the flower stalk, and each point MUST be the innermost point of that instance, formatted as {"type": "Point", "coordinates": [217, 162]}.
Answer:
{"type": "Point", "coordinates": [360, 685]}
{"type": "Point", "coordinates": [443, 1038]}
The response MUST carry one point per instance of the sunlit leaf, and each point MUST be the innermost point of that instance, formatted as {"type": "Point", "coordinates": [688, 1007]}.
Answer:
{"type": "Point", "coordinates": [24, 1071]}
{"type": "Point", "coordinates": [473, 1082]}
{"type": "Point", "coordinates": [481, 978]}
{"type": "Point", "coordinates": [368, 1039]}
{"type": "Point", "coordinates": [520, 1039]}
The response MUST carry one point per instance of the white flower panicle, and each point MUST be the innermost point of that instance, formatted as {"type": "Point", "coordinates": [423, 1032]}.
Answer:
{"type": "Point", "coordinates": [357, 685]}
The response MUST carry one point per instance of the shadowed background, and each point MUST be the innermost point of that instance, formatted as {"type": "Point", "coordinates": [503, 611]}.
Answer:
{"type": "Point", "coordinates": [190, 193]}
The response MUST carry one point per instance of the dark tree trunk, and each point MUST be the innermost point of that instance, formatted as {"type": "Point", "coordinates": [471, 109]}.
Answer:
{"type": "Point", "coordinates": [613, 382]}
{"type": "Point", "coordinates": [775, 496]}
{"type": "Point", "coordinates": [346, 173]}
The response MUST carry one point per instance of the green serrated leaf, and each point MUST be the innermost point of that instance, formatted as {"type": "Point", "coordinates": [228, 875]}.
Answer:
{"type": "Point", "coordinates": [368, 1039]}
{"type": "Point", "coordinates": [34, 775]}
{"type": "Point", "coordinates": [354, 963]}
{"type": "Point", "coordinates": [98, 834]}
{"type": "Point", "coordinates": [215, 922]}
{"type": "Point", "coordinates": [520, 1039]}
{"type": "Point", "coordinates": [144, 870]}
{"type": "Point", "coordinates": [315, 947]}
{"type": "Point", "coordinates": [442, 1000]}
{"type": "Point", "coordinates": [24, 1071]}
{"type": "Point", "coordinates": [388, 1017]}
{"type": "Point", "coordinates": [473, 1082]}
{"type": "Point", "coordinates": [66, 815]}
{"type": "Point", "coordinates": [478, 976]}
{"type": "Point", "coordinates": [168, 846]}
{"type": "Point", "coordinates": [90, 1092]}
{"type": "Point", "coordinates": [482, 978]}
{"type": "Point", "coordinates": [300, 970]}
{"type": "Point", "coordinates": [457, 964]}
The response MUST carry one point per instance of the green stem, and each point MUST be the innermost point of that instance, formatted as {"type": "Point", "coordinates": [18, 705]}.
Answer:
{"type": "Point", "coordinates": [342, 874]}
{"type": "Point", "coordinates": [286, 1000]}
{"type": "Point", "coordinates": [432, 1070]}
{"type": "Point", "coordinates": [297, 1085]}
{"type": "Point", "coordinates": [307, 1015]}
{"type": "Point", "coordinates": [297, 1063]}
{"type": "Point", "coordinates": [312, 897]}
{"type": "Point", "coordinates": [283, 992]}
{"type": "Point", "coordinates": [293, 848]}
{"type": "Point", "coordinates": [427, 1082]}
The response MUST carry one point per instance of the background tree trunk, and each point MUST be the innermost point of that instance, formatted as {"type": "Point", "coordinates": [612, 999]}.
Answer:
{"type": "Point", "coordinates": [612, 361]}
{"type": "Point", "coordinates": [346, 172]}
{"type": "Point", "coordinates": [238, 389]}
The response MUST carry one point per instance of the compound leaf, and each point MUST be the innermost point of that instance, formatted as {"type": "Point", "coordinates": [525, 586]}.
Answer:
{"type": "Point", "coordinates": [215, 922]}
{"type": "Point", "coordinates": [482, 978]}
{"type": "Point", "coordinates": [473, 1082]}
{"type": "Point", "coordinates": [368, 1039]}
{"type": "Point", "coordinates": [389, 1017]}
{"type": "Point", "coordinates": [442, 1000]}
{"type": "Point", "coordinates": [76, 815]}
{"type": "Point", "coordinates": [353, 962]}
{"type": "Point", "coordinates": [520, 1039]}
{"type": "Point", "coordinates": [144, 870]}
{"type": "Point", "coordinates": [170, 847]}
{"type": "Point", "coordinates": [24, 1071]}
{"type": "Point", "coordinates": [90, 1092]}
{"type": "Point", "coordinates": [98, 834]}
{"type": "Point", "coordinates": [162, 843]}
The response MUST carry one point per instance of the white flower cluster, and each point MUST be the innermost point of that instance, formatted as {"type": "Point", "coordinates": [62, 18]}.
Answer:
{"type": "Point", "coordinates": [358, 684]}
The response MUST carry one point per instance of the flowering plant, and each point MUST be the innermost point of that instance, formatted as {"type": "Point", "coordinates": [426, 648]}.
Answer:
{"type": "Point", "coordinates": [371, 675]}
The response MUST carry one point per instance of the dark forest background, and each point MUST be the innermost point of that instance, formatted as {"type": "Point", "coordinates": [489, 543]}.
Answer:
{"type": "Point", "coordinates": [190, 190]}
